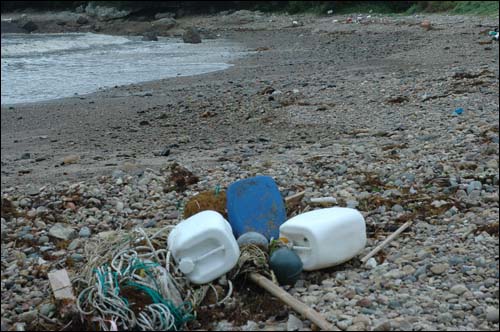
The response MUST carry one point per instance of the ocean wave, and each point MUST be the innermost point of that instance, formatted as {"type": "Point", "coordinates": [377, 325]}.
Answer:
{"type": "Point", "coordinates": [39, 44]}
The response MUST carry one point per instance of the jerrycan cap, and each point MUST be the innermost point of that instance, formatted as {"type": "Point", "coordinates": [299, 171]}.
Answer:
{"type": "Point", "coordinates": [186, 265]}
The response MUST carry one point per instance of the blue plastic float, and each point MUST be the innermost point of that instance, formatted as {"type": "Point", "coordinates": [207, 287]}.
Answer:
{"type": "Point", "coordinates": [255, 205]}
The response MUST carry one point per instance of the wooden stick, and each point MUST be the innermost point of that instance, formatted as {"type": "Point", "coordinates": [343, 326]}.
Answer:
{"type": "Point", "coordinates": [296, 305]}
{"type": "Point", "coordinates": [386, 241]}
{"type": "Point", "coordinates": [295, 198]}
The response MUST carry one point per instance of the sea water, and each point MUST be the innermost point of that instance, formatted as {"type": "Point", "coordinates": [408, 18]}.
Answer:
{"type": "Point", "coordinates": [38, 67]}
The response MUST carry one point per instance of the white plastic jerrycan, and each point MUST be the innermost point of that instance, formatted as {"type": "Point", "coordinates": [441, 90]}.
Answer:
{"type": "Point", "coordinates": [204, 247]}
{"type": "Point", "coordinates": [326, 237]}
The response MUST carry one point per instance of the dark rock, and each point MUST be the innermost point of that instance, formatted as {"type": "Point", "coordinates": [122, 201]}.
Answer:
{"type": "Point", "coordinates": [191, 36]}
{"type": "Point", "coordinates": [165, 152]}
{"type": "Point", "coordinates": [29, 26]}
{"type": "Point", "coordinates": [82, 20]}
{"type": "Point", "coordinates": [150, 36]}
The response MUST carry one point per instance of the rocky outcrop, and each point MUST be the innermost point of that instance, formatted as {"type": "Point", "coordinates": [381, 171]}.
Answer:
{"type": "Point", "coordinates": [164, 23]}
{"type": "Point", "coordinates": [105, 13]}
{"type": "Point", "coordinates": [191, 36]}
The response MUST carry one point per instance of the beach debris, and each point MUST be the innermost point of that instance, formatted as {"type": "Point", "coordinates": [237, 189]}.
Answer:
{"type": "Point", "coordinates": [61, 285]}
{"type": "Point", "coordinates": [267, 90]}
{"type": "Point", "coordinates": [208, 114]}
{"type": "Point", "coordinates": [255, 204]}
{"type": "Point", "coordinates": [294, 200]}
{"type": "Point", "coordinates": [426, 25]}
{"type": "Point", "coordinates": [324, 200]}
{"type": "Point", "coordinates": [207, 200]}
{"type": "Point", "coordinates": [494, 34]}
{"type": "Point", "coordinates": [286, 265]}
{"type": "Point", "coordinates": [8, 210]}
{"type": "Point", "coordinates": [204, 247]}
{"type": "Point", "coordinates": [254, 238]}
{"type": "Point", "coordinates": [289, 300]}
{"type": "Point", "coordinates": [181, 177]}
{"type": "Point", "coordinates": [386, 241]}
{"type": "Point", "coordinates": [458, 111]}
{"type": "Point", "coordinates": [129, 283]}
{"type": "Point", "coordinates": [71, 159]}
{"type": "Point", "coordinates": [325, 237]}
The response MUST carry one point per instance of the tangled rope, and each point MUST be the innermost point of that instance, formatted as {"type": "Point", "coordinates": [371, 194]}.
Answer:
{"type": "Point", "coordinates": [130, 282]}
{"type": "Point", "coordinates": [252, 259]}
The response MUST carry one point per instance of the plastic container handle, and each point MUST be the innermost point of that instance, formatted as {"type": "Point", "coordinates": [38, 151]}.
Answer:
{"type": "Point", "coordinates": [301, 248]}
{"type": "Point", "coordinates": [186, 265]}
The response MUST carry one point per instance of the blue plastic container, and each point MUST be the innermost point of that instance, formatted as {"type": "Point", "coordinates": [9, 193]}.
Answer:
{"type": "Point", "coordinates": [255, 205]}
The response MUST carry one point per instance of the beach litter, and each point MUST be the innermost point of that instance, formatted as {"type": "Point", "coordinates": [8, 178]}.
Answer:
{"type": "Point", "coordinates": [165, 278]}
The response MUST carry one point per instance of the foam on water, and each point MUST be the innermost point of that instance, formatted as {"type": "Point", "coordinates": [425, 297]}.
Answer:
{"type": "Point", "coordinates": [23, 45]}
{"type": "Point", "coordinates": [40, 67]}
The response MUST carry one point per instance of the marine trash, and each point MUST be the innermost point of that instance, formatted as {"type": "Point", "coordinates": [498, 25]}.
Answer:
{"type": "Point", "coordinates": [206, 200]}
{"type": "Point", "coordinates": [204, 247]}
{"type": "Point", "coordinates": [254, 238]}
{"type": "Point", "coordinates": [286, 265]}
{"type": "Point", "coordinates": [325, 237]}
{"type": "Point", "coordinates": [255, 204]}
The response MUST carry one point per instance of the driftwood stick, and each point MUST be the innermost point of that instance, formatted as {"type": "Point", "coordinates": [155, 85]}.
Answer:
{"type": "Point", "coordinates": [295, 198]}
{"type": "Point", "coordinates": [386, 241]}
{"type": "Point", "coordinates": [296, 305]}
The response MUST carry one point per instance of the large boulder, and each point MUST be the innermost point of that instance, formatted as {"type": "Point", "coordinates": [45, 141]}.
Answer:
{"type": "Point", "coordinates": [165, 23]}
{"type": "Point", "coordinates": [29, 26]}
{"type": "Point", "coordinates": [103, 13]}
{"type": "Point", "coordinates": [191, 36]}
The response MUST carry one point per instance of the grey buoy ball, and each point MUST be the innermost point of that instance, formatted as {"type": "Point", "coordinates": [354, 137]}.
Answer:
{"type": "Point", "coordinates": [253, 238]}
{"type": "Point", "coordinates": [286, 265]}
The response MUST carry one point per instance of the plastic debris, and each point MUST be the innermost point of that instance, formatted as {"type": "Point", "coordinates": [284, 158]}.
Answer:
{"type": "Point", "coordinates": [61, 285]}
{"type": "Point", "coordinates": [255, 204]}
{"type": "Point", "coordinates": [204, 247]}
{"type": "Point", "coordinates": [326, 237]}
{"type": "Point", "coordinates": [254, 238]}
{"type": "Point", "coordinates": [458, 111]}
{"type": "Point", "coordinates": [494, 35]}
{"type": "Point", "coordinates": [128, 285]}
{"type": "Point", "coordinates": [286, 265]}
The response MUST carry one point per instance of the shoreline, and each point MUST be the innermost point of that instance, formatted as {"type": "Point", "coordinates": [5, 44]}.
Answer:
{"type": "Point", "coordinates": [236, 51]}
